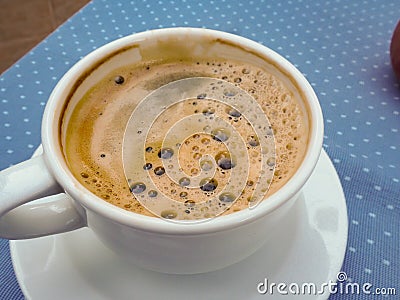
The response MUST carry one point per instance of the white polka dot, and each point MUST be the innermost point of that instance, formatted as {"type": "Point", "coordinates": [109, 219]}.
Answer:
{"type": "Point", "coordinates": [386, 262]}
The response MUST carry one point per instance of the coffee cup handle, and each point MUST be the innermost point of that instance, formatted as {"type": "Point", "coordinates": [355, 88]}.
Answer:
{"type": "Point", "coordinates": [55, 213]}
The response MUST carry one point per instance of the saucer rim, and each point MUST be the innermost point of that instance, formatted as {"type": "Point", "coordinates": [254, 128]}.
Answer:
{"type": "Point", "coordinates": [334, 267]}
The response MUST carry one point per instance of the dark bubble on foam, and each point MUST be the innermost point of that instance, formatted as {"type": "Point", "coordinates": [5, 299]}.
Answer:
{"type": "Point", "coordinates": [253, 140]}
{"type": "Point", "coordinates": [152, 193]}
{"type": "Point", "coordinates": [84, 175]}
{"type": "Point", "coordinates": [220, 134]}
{"type": "Point", "coordinates": [208, 111]}
{"type": "Point", "coordinates": [159, 171]}
{"type": "Point", "coordinates": [201, 96]}
{"type": "Point", "coordinates": [169, 214]}
{"type": "Point", "coordinates": [206, 165]}
{"type": "Point", "coordinates": [226, 197]}
{"type": "Point", "coordinates": [233, 112]}
{"type": "Point", "coordinates": [138, 187]}
{"type": "Point", "coordinates": [183, 194]}
{"type": "Point", "coordinates": [184, 181]}
{"type": "Point", "coordinates": [230, 93]}
{"type": "Point", "coordinates": [208, 184]}
{"type": "Point", "coordinates": [194, 171]}
{"type": "Point", "coordinates": [197, 155]}
{"type": "Point", "coordinates": [224, 160]}
{"type": "Point", "coordinates": [271, 161]}
{"type": "Point", "coordinates": [165, 153]}
{"type": "Point", "coordinates": [190, 203]}
{"type": "Point", "coordinates": [205, 141]}
{"type": "Point", "coordinates": [147, 166]}
{"type": "Point", "coordinates": [149, 149]}
{"type": "Point", "coordinates": [269, 132]}
{"type": "Point", "coordinates": [119, 79]}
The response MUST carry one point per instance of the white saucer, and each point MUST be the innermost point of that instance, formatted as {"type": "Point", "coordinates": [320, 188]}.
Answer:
{"type": "Point", "coordinates": [76, 265]}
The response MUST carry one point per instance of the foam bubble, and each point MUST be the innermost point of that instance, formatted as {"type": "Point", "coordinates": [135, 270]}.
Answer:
{"type": "Point", "coordinates": [147, 166]}
{"type": "Point", "coordinates": [220, 134]}
{"type": "Point", "coordinates": [159, 171]}
{"type": "Point", "coordinates": [227, 197]}
{"type": "Point", "coordinates": [138, 187]}
{"type": "Point", "coordinates": [184, 181]}
{"type": "Point", "coordinates": [208, 184]}
{"type": "Point", "coordinates": [224, 160]}
{"type": "Point", "coordinates": [119, 79]}
{"type": "Point", "coordinates": [206, 165]}
{"type": "Point", "coordinates": [190, 203]}
{"type": "Point", "coordinates": [169, 214]}
{"type": "Point", "coordinates": [152, 193]}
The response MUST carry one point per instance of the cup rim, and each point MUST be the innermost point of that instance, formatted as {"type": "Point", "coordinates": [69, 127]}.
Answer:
{"type": "Point", "coordinates": [55, 158]}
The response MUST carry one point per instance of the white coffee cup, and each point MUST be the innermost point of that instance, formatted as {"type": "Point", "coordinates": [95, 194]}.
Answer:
{"type": "Point", "coordinates": [152, 243]}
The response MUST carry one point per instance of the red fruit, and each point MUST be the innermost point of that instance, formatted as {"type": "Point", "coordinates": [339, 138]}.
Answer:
{"type": "Point", "coordinates": [395, 50]}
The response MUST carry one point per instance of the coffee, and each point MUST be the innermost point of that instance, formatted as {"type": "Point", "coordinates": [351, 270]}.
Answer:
{"type": "Point", "coordinates": [95, 133]}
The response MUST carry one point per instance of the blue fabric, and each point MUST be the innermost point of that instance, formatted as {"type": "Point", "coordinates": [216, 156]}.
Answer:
{"type": "Point", "coordinates": [342, 47]}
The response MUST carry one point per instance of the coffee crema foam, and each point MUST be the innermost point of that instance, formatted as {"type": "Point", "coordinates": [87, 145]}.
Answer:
{"type": "Point", "coordinates": [96, 129]}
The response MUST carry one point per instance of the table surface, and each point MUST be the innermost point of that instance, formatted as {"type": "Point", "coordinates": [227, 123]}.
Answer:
{"type": "Point", "coordinates": [342, 47]}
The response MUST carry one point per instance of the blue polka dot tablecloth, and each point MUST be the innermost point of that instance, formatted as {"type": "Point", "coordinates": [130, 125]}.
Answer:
{"type": "Point", "coordinates": [342, 47]}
